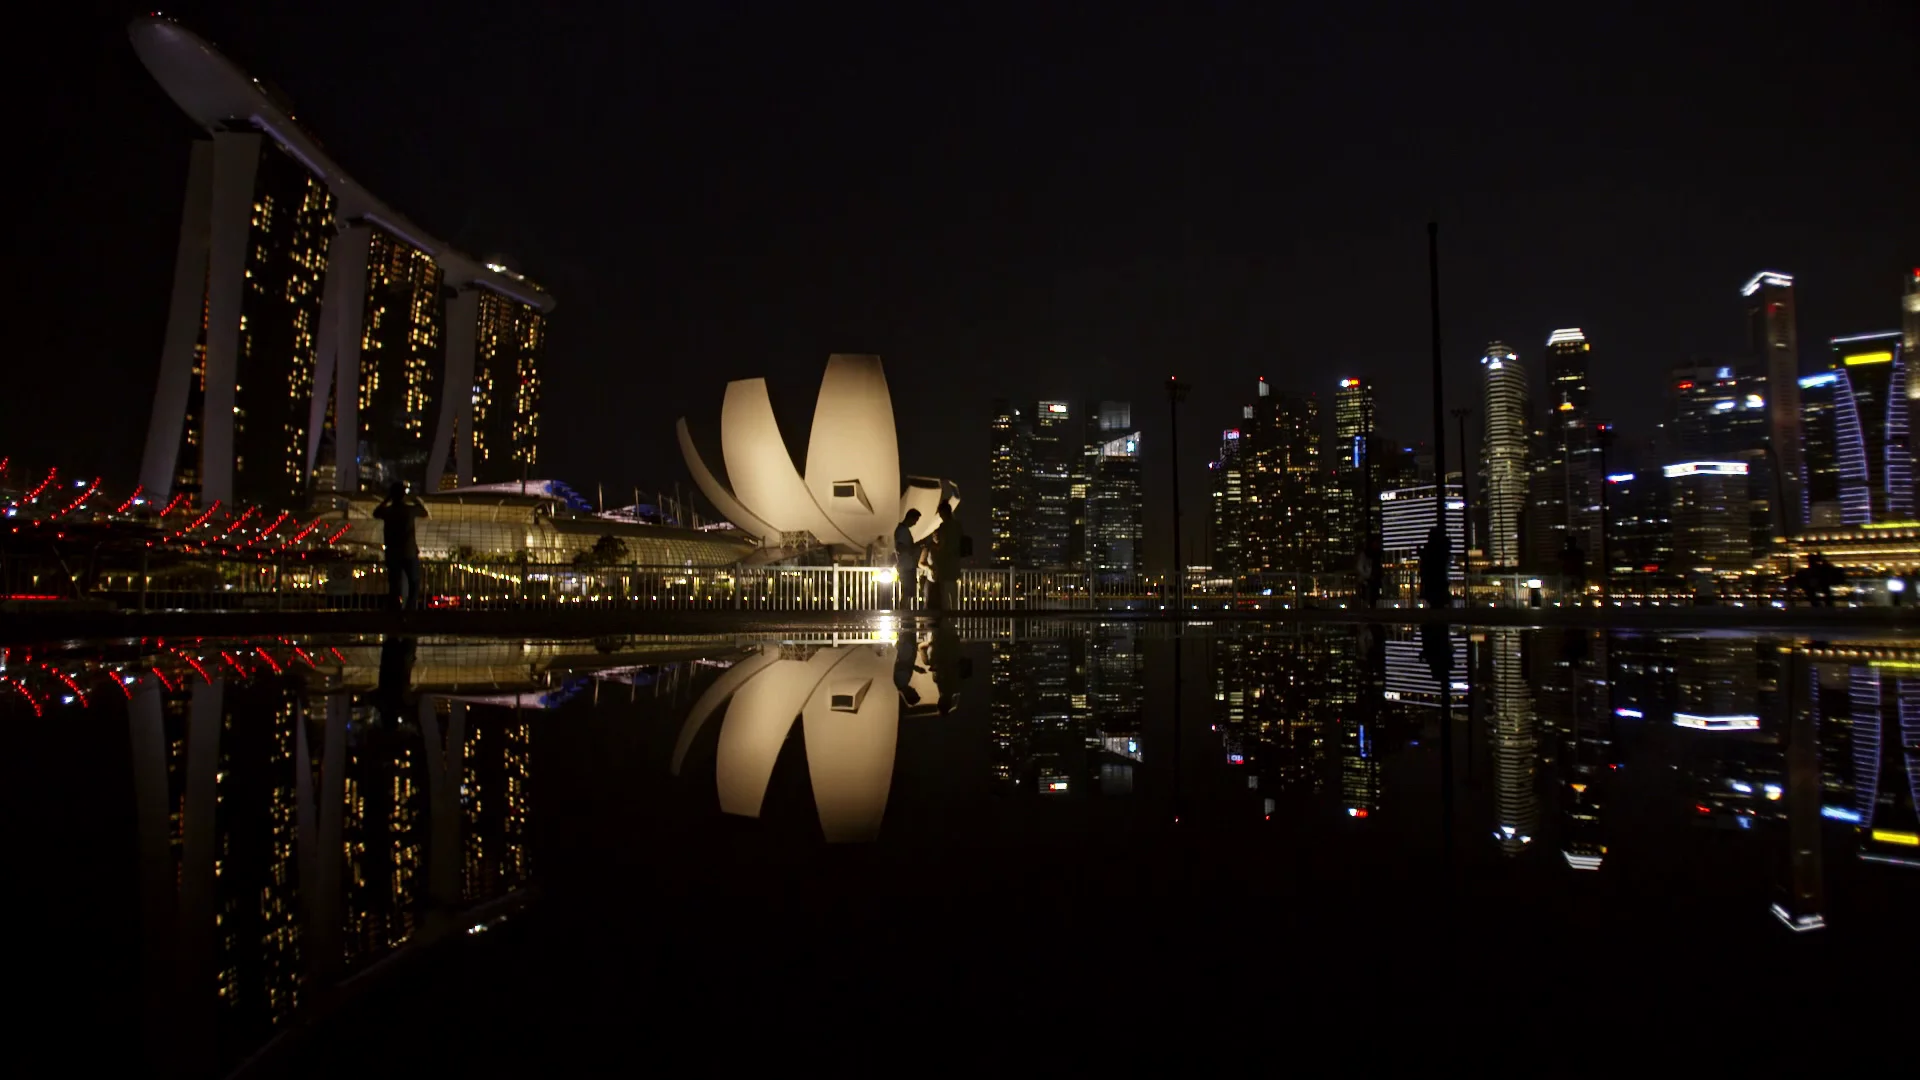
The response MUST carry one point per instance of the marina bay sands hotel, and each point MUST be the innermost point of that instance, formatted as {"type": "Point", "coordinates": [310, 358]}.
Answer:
{"type": "Point", "coordinates": [317, 341]}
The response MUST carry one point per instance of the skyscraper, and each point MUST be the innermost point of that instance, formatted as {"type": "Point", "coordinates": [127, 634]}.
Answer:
{"type": "Point", "coordinates": [300, 302]}
{"type": "Point", "coordinates": [1006, 483]}
{"type": "Point", "coordinates": [1053, 455]}
{"type": "Point", "coordinates": [1114, 527]}
{"type": "Point", "coordinates": [1351, 496]}
{"type": "Point", "coordinates": [1564, 493]}
{"type": "Point", "coordinates": [1773, 339]}
{"type": "Point", "coordinates": [1872, 444]}
{"type": "Point", "coordinates": [1505, 449]}
{"type": "Point", "coordinates": [1285, 515]}
{"type": "Point", "coordinates": [1228, 490]}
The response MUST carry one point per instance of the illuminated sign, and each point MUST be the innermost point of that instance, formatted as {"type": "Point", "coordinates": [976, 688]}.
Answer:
{"type": "Point", "coordinates": [1716, 723]}
{"type": "Point", "coordinates": [1724, 373]}
{"type": "Point", "coordinates": [1493, 363]}
{"type": "Point", "coordinates": [1619, 477]}
{"type": "Point", "coordinates": [1348, 384]}
{"type": "Point", "coordinates": [1055, 407]}
{"type": "Point", "coordinates": [1722, 406]}
{"type": "Point", "coordinates": [1841, 813]}
{"type": "Point", "coordinates": [1631, 714]}
{"type": "Point", "coordinates": [1767, 277]}
{"type": "Point", "coordinates": [1230, 433]}
{"type": "Point", "coordinates": [1825, 378]}
{"type": "Point", "coordinates": [1755, 401]}
{"type": "Point", "coordinates": [1858, 359]}
{"type": "Point", "coordinates": [1890, 837]}
{"type": "Point", "coordinates": [1707, 468]}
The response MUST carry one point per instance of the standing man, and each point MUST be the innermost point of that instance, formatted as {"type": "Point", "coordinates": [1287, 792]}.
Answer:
{"type": "Point", "coordinates": [906, 562]}
{"type": "Point", "coordinates": [946, 559]}
{"type": "Point", "coordinates": [403, 552]}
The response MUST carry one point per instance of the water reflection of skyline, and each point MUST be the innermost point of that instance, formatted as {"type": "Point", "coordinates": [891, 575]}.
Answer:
{"type": "Point", "coordinates": [302, 810]}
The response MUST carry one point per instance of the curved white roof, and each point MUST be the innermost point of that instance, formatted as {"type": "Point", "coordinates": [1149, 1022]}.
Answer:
{"type": "Point", "coordinates": [215, 93]}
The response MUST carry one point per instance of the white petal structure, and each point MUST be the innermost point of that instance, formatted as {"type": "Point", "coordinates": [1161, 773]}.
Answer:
{"type": "Point", "coordinates": [851, 496]}
{"type": "Point", "coordinates": [848, 704]}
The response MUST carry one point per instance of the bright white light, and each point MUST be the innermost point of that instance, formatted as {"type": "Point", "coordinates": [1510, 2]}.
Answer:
{"type": "Point", "coordinates": [1619, 477]}
{"type": "Point", "coordinates": [1741, 786]}
{"type": "Point", "coordinates": [1559, 337]}
{"type": "Point", "coordinates": [1825, 378]}
{"type": "Point", "coordinates": [888, 576]}
{"type": "Point", "coordinates": [1722, 406]}
{"type": "Point", "coordinates": [1772, 792]}
{"type": "Point", "coordinates": [1716, 723]}
{"type": "Point", "coordinates": [1582, 862]}
{"type": "Point", "coordinates": [1755, 401]}
{"type": "Point", "coordinates": [1493, 363]}
{"type": "Point", "coordinates": [1895, 585]}
{"type": "Point", "coordinates": [1798, 923]}
{"type": "Point", "coordinates": [1841, 813]}
{"type": "Point", "coordinates": [1533, 583]}
{"type": "Point", "coordinates": [1707, 468]}
{"type": "Point", "coordinates": [1767, 277]}
{"type": "Point", "coordinates": [1631, 714]}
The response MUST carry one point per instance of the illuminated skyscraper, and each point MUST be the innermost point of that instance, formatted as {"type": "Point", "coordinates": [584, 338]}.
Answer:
{"type": "Point", "coordinates": [1285, 508]}
{"type": "Point", "coordinates": [1910, 314]}
{"type": "Point", "coordinates": [1872, 442]}
{"type": "Point", "coordinates": [1773, 339]}
{"type": "Point", "coordinates": [1054, 454]}
{"type": "Point", "coordinates": [1356, 483]}
{"type": "Point", "coordinates": [1505, 449]}
{"type": "Point", "coordinates": [1228, 489]}
{"type": "Point", "coordinates": [300, 302]}
{"type": "Point", "coordinates": [1565, 492]}
{"type": "Point", "coordinates": [1712, 516]}
{"type": "Point", "coordinates": [1006, 483]}
{"type": "Point", "coordinates": [1114, 528]}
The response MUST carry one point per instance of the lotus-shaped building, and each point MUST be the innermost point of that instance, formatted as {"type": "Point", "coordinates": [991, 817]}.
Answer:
{"type": "Point", "coordinates": [851, 495]}
{"type": "Point", "coordinates": [849, 701]}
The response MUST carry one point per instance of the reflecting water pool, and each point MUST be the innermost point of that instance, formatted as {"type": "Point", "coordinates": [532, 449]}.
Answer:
{"type": "Point", "coordinates": [302, 855]}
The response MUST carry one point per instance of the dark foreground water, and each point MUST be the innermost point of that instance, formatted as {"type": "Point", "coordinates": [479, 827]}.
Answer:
{"type": "Point", "coordinates": [376, 856]}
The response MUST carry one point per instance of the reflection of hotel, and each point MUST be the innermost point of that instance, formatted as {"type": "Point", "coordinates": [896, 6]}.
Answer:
{"type": "Point", "coordinates": [308, 316]}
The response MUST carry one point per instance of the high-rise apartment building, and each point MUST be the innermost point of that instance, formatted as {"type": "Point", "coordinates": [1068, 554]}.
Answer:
{"type": "Point", "coordinates": [1773, 340]}
{"type": "Point", "coordinates": [1114, 529]}
{"type": "Point", "coordinates": [305, 312]}
{"type": "Point", "coordinates": [1229, 519]}
{"type": "Point", "coordinates": [1505, 451]}
{"type": "Point", "coordinates": [1287, 530]}
{"type": "Point", "coordinates": [1351, 495]}
{"type": "Point", "coordinates": [1564, 494]}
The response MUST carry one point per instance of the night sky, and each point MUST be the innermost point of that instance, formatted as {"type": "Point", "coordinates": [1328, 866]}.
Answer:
{"type": "Point", "coordinates": [1005, 202]}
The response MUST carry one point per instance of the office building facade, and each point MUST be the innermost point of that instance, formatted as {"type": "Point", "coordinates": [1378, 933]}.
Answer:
{"type": "Point", "coordinates": [305, 312]}
{"type": "Point", "coordinates": [1564, 495]}
{"type": "Point", "coordinates": [1773, 341]}
{"type": "Point", "coordinates": [1505, 452]}
{"type": "Point", "coordinates": [1287, 530]}
{"type": "Point", "coordinates": [1355, 478]}
{"type": "Point", "coordinates": [1227, 476]}
{"type": "Point", "coordinates": [1114, 529]}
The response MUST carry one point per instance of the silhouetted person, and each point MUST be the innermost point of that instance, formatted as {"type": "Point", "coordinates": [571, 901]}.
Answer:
{"type": "Point", "coordinates": [396, 677]}
{"type": "Point", "coordinates": [906, 646]}
{"type": "Point", "coordinates": [1573, 569]}
{"type": "Point", "coordinates": [943, 656]}
{"type": "Point", "coordinates": [946, 560]}
{"type": "Point", "coordinates": [403, 551]}
{"type": "Point", "coordinates": [906, 562]}
{"type": "Point", "coordinates": [1436, 560]}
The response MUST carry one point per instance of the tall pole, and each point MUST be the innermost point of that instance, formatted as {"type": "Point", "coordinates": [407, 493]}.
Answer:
{"type": "Point", "coordinates": [1175, 394]}
{"type": "Point", "coordinates": [1466, 489]}
{"type": "Point", "coordinates": [1439, 397]}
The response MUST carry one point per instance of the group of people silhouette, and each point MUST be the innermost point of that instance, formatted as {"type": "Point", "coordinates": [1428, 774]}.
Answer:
{"type": "Point", "coordinates": [935, 559]}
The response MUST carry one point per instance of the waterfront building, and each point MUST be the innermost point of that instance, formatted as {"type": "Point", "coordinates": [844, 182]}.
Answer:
{"type": "Point", "coordinates": [1773, 342]}
{"type": "Point", "coordinates": [305, 312]}
{"type": "Point", "coordinates": [1505, 453]}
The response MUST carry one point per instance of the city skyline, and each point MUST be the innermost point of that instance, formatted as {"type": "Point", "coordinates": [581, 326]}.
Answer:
{"type": "Point", "coordinates": [1520, 256]}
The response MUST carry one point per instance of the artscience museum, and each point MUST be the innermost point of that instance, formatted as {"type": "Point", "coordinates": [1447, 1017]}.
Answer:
{"type": "Point", "coordinates": [843, 504]}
